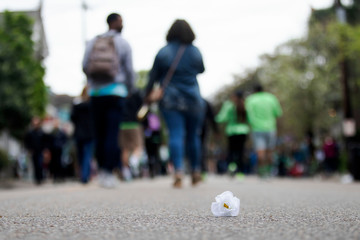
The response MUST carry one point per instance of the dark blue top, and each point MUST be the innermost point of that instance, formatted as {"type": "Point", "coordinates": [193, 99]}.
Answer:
{"type": "Point", "coordinates": [182, 92]}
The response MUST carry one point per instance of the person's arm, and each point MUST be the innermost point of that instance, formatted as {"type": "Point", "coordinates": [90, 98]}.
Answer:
{"type": "Point", "coordinates": [73, 115]}
{"type": "Point", "coordinates": [154, 76]}
{"type": "Point", "coordinates": [223, 115]}
{"type": "Point", "coordinates": [277, 110]}
{"type": "Point", "coordinates": [199, 63]}
{"type": "Point", "coordinates": [88, 48]}
{"type": "Point", "coordinates": [248, 110]}
{"type": "Point", "coordinates": [127, 62]}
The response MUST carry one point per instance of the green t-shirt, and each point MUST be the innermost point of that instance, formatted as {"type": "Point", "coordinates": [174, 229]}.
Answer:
{"type": "Point", "coordinates": [227, 114]}
{"type": "Point", "coordinates": [262, 110]}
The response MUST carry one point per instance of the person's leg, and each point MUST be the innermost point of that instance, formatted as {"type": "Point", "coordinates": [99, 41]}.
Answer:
{"type": "Point", "coordinates": [204, 162]}
{"type": "Point", "coordinates": [80, 155]}
{"type": "Point", "coordinates": [270, 148]}
{"type": "Point", "coordinates": [98, 110]}
{"type": "Point", "coordinates": [260, 148]}
{"type": "Point", "coordinates": [152, 151]}
{"type": "Point", "coordinates": [239, 159]}
{"type": "Point", "coordinates": [137, 150]}
{"type": "Point", "coordinates": [175, 122]}
{"type": "Point", "coordinates": [38, 169]}
{"type": "Point", "coordinates": [113, 116]}
{"type": "Point", "coordinates": [138, 142]}
{"type": "Point", "coordinates": [125, 145]}
{"type": "Point", "coordinates": [194, 122]}
{"type": "Point", "coordinates": [232, 147]}
{"type": "Point", "coordinates": [86, 164]}
{"type": "Point", "coordinates": [57, 164]}
{"type": "Point", "coordinates": [107, 112]}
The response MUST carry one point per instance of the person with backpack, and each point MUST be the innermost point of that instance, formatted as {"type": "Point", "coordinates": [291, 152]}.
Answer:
{"type": "Point", "coordinates": [108, 66]}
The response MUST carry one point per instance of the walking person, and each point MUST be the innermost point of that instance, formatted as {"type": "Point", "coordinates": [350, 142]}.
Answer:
{"type": "Point", "coordinates": [331, 153]}
{"type": "Point", "coordinates": [83, 134]}
{"type": "Point", "coordinates": [109, 69]}
{"type": "Point", "coordinates": [131, 137]}
{"type": "Point", "coordinates": [35, 144]}
{"type": "Point", "coordinates": [263, 109]}
{"type": "Point", "coordinates": [182, 105]}
{"type": "Point", "coordinates": [208, 122]}
{"type": "Point", "coordinates": [233, 113]}
{"type": "Point", "coordinates": [152, 136]}
{"type": "Point", "coordinates": [57, 140]}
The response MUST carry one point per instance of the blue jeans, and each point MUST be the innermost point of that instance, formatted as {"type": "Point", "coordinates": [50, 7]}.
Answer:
{"type": "Point", "coordinates": [184, 127]}
{"type": "Point", "coordinates": [85, 153]}
{"type": "Point", "coordinates": [107, 113]}
{"type": "Point", "coordinates": [264, 140]}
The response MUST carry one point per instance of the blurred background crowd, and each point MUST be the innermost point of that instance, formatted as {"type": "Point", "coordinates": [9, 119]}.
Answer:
{"type": "Point", "coordinates": [315, 79]}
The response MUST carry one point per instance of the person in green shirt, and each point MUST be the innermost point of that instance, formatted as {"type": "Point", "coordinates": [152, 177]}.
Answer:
{"type": "Point", "coordinates": [233, 113]}
{"type": "Point", "coordinates": [263, 109]}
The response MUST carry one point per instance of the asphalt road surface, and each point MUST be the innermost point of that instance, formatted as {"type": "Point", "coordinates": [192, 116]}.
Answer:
{"type": "Point", "coordinates": [152, 209]}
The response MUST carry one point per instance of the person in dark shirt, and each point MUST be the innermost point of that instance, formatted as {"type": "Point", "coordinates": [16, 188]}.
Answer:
{"type": "Point", "coordinates": [57, 141]}
{"type": "Point", "coordinates": [331, 153]}
{"type": "Point", "coordinates": [152, 135]}
{"type": "Point", "coordinates": [83, 134]}
{"type": "Point", "coordinates": [35, 144]}
{"type": "Point", "coordinates": [209, 122]}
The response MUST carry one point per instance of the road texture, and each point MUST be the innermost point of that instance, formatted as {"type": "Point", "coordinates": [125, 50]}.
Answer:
{"type": "Point", "coordinates": [152, 209]}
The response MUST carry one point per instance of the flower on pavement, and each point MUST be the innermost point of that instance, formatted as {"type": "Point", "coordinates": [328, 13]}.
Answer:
{"type": "Point", "coordinates": [226, 205]}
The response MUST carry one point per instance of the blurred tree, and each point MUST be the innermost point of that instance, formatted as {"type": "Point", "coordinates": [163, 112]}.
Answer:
{"type": "Point", "coordinates": [345, 47]}
{"type": "Point", "coordinates": [142, 79]}
{"type": "Point", "coordinates": [304, 74]}
{"type": "Point", "coordinates": [22, 89]}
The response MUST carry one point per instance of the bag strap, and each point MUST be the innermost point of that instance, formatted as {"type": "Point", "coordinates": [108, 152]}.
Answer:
{"type": "Point", "coordinates": [173, 66]}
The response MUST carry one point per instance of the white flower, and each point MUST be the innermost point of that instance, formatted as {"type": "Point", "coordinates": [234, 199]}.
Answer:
{"type": "Point", "coordinates": [226, 205]}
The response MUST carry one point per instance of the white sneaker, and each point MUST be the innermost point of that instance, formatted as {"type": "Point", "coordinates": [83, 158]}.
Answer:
{"type": "Point", "coordinates": [107, 180]}
{"type": "Point", "coordinates": [134, 165]}
{"type": "Point", "coordinates": [126, 174]}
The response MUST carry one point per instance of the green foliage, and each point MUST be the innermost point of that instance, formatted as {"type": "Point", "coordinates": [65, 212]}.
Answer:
{"type": "Point", "coordinates": [4, 160]}
{"type": "Point", "coordinates": [22, 90]}
{"type": "Point", "coordinates": [305, 75]}
{"type": "Point", "coordinates": [343, 162]}
{"type": "Point", "coordinates": [142, 79]}
{"type": "Point", "coordinates": [347, 39]}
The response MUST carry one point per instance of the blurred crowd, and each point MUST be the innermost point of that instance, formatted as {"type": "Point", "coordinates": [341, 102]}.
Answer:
{"type": "Point", "coordinates": [59, 152]}
{"type": "Point", "coordinates": [112, 140]}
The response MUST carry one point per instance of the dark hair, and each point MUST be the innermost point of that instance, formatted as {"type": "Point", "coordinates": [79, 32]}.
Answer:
{"type": "Point", "coordinates": [112, 17]}
{"type": "Point", "coordinates": [180, 31]}
{"type": "Point", "coordinates": [240, 106]}
{"type": "Point", "coordinates": [238, 93]}
{"type": "Point", "coordinates": [258, 88]}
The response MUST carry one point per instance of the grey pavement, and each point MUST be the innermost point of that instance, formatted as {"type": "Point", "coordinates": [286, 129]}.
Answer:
{"type": "Point", "coordinates": [152, 209]}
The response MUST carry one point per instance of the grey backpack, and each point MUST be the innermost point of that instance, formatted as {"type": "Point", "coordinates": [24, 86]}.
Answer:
{"type": "Point", "coordinates": [104, 62]}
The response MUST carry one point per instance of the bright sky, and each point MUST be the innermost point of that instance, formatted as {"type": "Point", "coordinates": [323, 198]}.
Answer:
{"type": "Point", "coordinates": [231, 34]}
